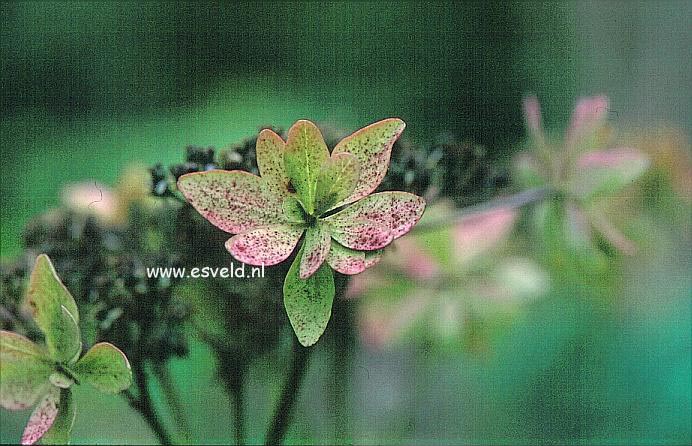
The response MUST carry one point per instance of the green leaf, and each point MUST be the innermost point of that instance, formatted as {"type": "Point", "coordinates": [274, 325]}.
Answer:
{"type": "Point", "coordinates": [24, 371]}
{"type": "Point", "coordinates": [336, 180]}
{"type": "Point", "coordinates": [372, 146]}
{"type": "Point", "coordinates": [233, 201]}
{"type": "Point", "coordinates": [42, 418]}
{"type": "Point", "coordinates": [59, 432]}
{"type": "Point", "coordinates": [270, 150]}
{"type": "Point", "coordinates": [305, 153]}
{"type": "Point", "coordinates": [293, 210]}
{"type": "Point", "coordinates": [47, 293]}
{"type": "Point", "coordinates": [315, 249]}
{"type": "Point", "coordinates": [105, 367]}
{"type": "Point", "coordinates": [54, 311]}
{"type": "Point", "coordinates": [308, 302]}
{"type": "Point", "coordinates": [64, 341]}
{"type": "Point", "coordinates": [206, 317]}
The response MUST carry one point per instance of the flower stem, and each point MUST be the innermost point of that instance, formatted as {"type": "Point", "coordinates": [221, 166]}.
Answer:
{"type": "Point", "coordinates": [282, 415]}
{"type": "Point", "coordinates": [173, 400]}
{"type": "Point", "coordinates": [238, 402]}
{"type": "Point", "coordinates": [512, 201]}
{"type": "Point", "coordinates": [144, 405]}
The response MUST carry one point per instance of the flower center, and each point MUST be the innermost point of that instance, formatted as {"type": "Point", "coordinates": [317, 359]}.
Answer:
{"type": "Point", "coordinates": [310, 220]}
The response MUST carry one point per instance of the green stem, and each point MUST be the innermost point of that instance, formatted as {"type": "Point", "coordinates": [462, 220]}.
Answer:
{"type": "Point", "coordinates": [238, 398]}
{"type": "Point", "coordinates": [282, 415]}
{"type": "Point", "coordinates": [233, 379]}
{"type": "Point", "coordinates": [144, 405]}
{"type": "Point", "coordinates": [173, 400]}
{"type": "Point", "coordinates": [344, 346]}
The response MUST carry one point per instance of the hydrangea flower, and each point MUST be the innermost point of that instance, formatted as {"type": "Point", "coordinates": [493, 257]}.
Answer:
{"type": "Point", "coordinates": [433, 286]}
{"type": "Point", "coordinates": [579, 171]}
{"type": "Point", "coordinates": [32, 372]}
{"type": "Point", "coordinates": [305, 192]}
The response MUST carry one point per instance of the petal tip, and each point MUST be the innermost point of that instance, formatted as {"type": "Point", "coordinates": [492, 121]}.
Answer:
{"type": "Point", "coordinates": [269, 133]}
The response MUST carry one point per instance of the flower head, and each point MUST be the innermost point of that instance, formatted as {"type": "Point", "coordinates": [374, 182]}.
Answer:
{"type": "Point", "coordinates": [32, 372]}
{"type": "Point", "coordinates": [579, 171]}
{"type": "Point", "coordinates": [433, 284]}
{"type": "Point", "coordinates": [304, 191]}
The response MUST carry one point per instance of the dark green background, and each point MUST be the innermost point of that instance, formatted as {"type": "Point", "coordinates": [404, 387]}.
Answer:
{"type": "Point", "coordinates": [88, 88]}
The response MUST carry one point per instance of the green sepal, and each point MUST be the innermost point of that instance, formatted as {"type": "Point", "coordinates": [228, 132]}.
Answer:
{"type": "Point", "coordinates": [105, 367]}
{"type": "Point", "coordinates": [54, 311]}
{"type": "Point", "coordinates": [336, 181]}
{"type": "Point", "coordinates": [24, 371]}
{"type": "Point", "coordinates": [305, 153]}
{"type": "Point", "coordinates": [308, 301]}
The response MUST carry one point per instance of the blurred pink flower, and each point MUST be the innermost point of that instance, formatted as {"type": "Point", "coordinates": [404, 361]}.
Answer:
{"type": "Point", "coordinates": [441, 285]}
{"type": "Point", "coordinates": [578, 171]}
{"type": "Point", "coordinates": [415, 262]}
{"type": "Point", "coordinates": [90, 198]}
{"type": "Point", "coordinates": [588, 116]}
{"type": "Point", "coordinates": [110, 205]}
{"type": "Point", "coordinates": [476, 234]}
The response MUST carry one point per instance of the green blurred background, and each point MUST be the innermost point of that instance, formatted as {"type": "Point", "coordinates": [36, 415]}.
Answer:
{"type": "Point", "coordinates": [87, 88]}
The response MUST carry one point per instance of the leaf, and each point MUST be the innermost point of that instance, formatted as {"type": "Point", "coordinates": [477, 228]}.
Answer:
{"type": "Point", "coordinates": [59, 432]}
{"type": "Point", "coordinates": [308, 302]}
{"type": "Point", "coordinates": [336, 180]}
{"type": "Point", "coordinates": [266, 245]}
{"type": "Point", "coordinates": [362, 234]}
{"type": "Point", "coordinates": [24, 371]}
{"type": "Point", "coordinates": [376, 220]}
{"type": "Point", "coordinates": [54, 311]}
{"type": "Point", "coordinates": [105, 367]}
{"type": "Point", "coordinates": [315, 249]}
{"type": "Point", "coordinates": [46, 293]}
{"type": "Point", "coordinates": [372, 146]}
{"type": "Point", "coordinates": [345, 260]}
{"type": "Point", "coordinates": [206, 312]}
{"type": "Point", "coordinates": [64, 341]}
{"type": "Point", "coordinates": [293, 210]}
{"type": "Point", "coordinates": [607, 171]}
{"type": "Point", "coordinates": [305, 153]}
{"type": "Point", "coordinates": [233, 201]}
{"type": "Point", "coordinates": [42, 418]}
{"type": "Point", "coordinates": [270, 150]}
